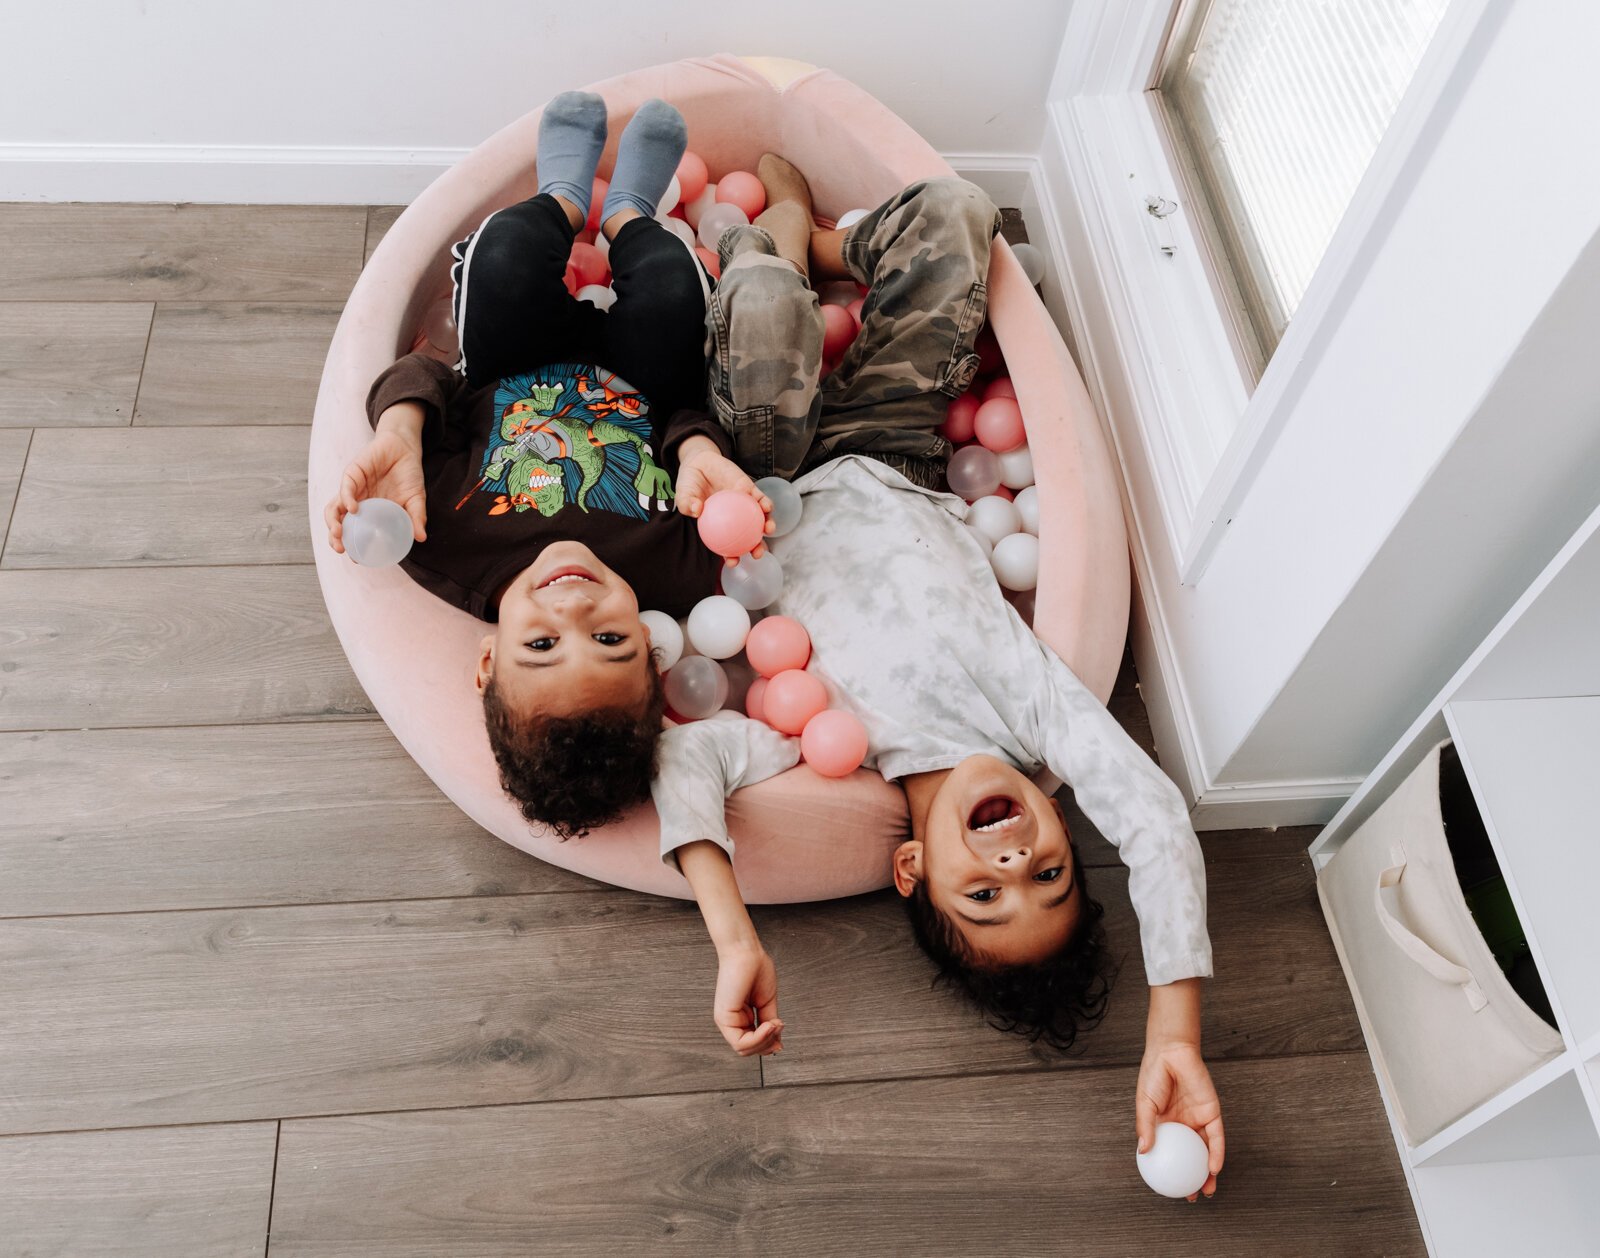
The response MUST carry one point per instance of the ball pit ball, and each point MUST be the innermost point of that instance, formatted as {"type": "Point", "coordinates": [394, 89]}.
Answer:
{"type": "Point", "coordinates": [732, 523]}
{"type": "Point", "coordinates": [855, 308]}
{"type": "Point", "coordinates": [1032, 261]}
{"type": "Point", "coordinates": [1028, 509]}
{"type": "Point", "coordinates": [604, 246]}
{"type": "Point", "coordinates": [1016, 468]}
{"type": "Point", "coordinates": [838, 330]}
{"type": "Point", "coordinates": [838, 292]}
{"type": "Point", "coordinates": [666, 639]}
{"type": "Point", "coordinates": [691, 176]}
{"type": "Point", "coordinates": [597, 295]}
{"type": "Point", "coordinates": [1016, 561]}
{"type": "Point", "coordinates": [710, 261]}
{"type": "Point", "coordinates": [791, 699]}
{"type": "Point", "coordinates": [973, 472]}
{"type": "Point", "coordinates": [439, 326]}
{"type": "Point", "coordinates": [377, 533]}
{"type": "Point", "coordinates": [957, 426]}
{"type": "Point", "coordinates": [597, 198]}
{"type": "Point", "coordinates": [998, 424]}
{"type": "Point", "coordinates": [776, 645]}
{"type": "Point", "coordinates": [753, 699]}
{"type": "Point", "coordinates": [1176, 1165]}
{"type": "Point", "coordinates": [693, 209]}
{"type": "Point", "coordinates": [754, 583]}
{"type": "Point", "coordinates": [1000, 386]}
{"type": "Point", "coordinates": [741, 188]}
{"type": "Point", "coordinates": [1004, 492]}
{"type": "Point", "coordinates": [984, 544]}
{"type": "Point", "coordinates": [994, 517]}
{"type": "Point", "coordinates": [786, 504]}
{"type": "Point", "coordinates": [717, 219]}
{"type": "Point", "coordinates": [740, 678]}
{"type": "Point", "coordinates": [834, 743]}
{"type": "Point", "coordinates": [718, 626]}
{"type": "Point", "coordinates": [850, 218]}
{"type": "Point", "coordinates": [696, 687]}
{"type": "Point", "coordinates": [669, 198]}
{"type": "Point", "coordinates": [990, 360]}
{"type": "Point", "coordinates": [680, 229]}
{"type": "Point", "coordinates": [593, 267]}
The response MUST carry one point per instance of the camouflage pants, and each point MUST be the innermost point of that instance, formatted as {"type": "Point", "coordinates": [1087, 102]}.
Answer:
{"type": "Point", "coordinates": [924, 254]}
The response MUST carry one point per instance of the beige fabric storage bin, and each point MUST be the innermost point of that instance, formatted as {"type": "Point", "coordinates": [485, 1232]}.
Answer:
{"type": "Point", "coordinates": [1446, 1030]}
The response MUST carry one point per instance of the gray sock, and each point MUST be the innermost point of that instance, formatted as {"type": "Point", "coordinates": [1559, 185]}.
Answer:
{"type": "Point", "coordinates": [572, 134]}
{"type": "Point", "coordinates": [647, 159]}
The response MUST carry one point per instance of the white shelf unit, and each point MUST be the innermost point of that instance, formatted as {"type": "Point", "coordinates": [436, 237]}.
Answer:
{"type": "Point", "coordinates": [1520, 1174]}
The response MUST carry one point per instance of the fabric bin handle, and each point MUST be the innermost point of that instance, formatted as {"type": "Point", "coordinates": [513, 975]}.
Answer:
{"type": "Point", "coordinates": [1440, 967]}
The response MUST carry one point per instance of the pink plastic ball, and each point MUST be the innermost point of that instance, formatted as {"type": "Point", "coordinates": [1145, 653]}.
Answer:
{"type": "Point", "coordinates": [834, 743]}
{"type": "Point", "coordinates": [987, 348]}
{"type": "Point", "coordinates": [754, 698]}
{"type": "Point", "coordinates": [838, 330]}
{"type": "Point", "coordinates": [731, 523]}
{"type": "Point", "coordinates": [712, 264]}
{"type": "Point", "coordinates": [692, 210]}
{"type": "Point", "coordinates": [597, 198]}
{"type": "Point", "coordinates": [791, 699]}
{"type": "Point", "coordinates": [1000, 386]}
{"type": "Point", "coordinates": [692, 177]}
{"type": "Point", "coordinates": [741, 188]}
{"type": "Point", "coordinates": [957, 426]}
{"type": "Point", "coordinates": [590, 264]}
{"type": "Point", "coordinates": [998, 424]}
{"type": "Point", "coordinates": [855, 309]}
{"type": "Point", "coordinates": [776, 645]}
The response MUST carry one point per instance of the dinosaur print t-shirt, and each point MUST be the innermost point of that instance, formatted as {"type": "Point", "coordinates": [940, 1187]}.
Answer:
{"type": "Point", "coordinates": [565, 452]}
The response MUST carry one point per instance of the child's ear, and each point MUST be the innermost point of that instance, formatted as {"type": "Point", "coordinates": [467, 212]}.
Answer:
{"type": "Point", "coordinates": [908, 866]}
{"type": "Point", "coordinates": [485, 662]}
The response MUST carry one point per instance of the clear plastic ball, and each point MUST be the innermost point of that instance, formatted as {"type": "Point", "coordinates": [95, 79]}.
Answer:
{"type": "Point", "coordinates": [718, 627]}
{"type": "Point", "coordinates": [666, 639]}
{"type": "Point", "coordinates": [973, 472]}
{"type": "Point", "coordinates": [697, 687]}
{"type": "Point", "coordinates": [994, 517]}
{"type": "Point", "coordinates": [850, 218]}
{"type": "Point", "coordinates": [377, 533]}
{"type": "Point", "coordinates": [1027, 505]}
{"type": "Point", "coordinates": [597, 295]}
{"type": "Point", "coordinates": [439, 326]}
{"type": "Point", "coordinates": [1032, 261]}
{"type": "Point", "coordinates": [754, 583]}
{"type": "Point", "coordinates": [786, 505]}
{"type": "Point", "coordinates": [1016, 467]}
{"type": "Point", "coordinates": [717, 218]}
{"type": "Point", "coordinates": [1016, 561]}
{"type": "Point", "coordinates": [693, 209]}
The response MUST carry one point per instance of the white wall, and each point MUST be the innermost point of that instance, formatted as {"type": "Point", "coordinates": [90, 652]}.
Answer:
{"type": "Point", "coordinates": [109, 99]}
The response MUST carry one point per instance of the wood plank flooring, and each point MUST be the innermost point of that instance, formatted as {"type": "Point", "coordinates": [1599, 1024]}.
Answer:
{"type": "Point", "coordinates": [263, 990]}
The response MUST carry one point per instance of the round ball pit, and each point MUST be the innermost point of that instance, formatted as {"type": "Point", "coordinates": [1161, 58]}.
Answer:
{"type": "Point", "coordinates": [799, 837]}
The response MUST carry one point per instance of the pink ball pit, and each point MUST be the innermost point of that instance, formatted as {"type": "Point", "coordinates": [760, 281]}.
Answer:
{"type": "Point", "coordinates": [799, 837]}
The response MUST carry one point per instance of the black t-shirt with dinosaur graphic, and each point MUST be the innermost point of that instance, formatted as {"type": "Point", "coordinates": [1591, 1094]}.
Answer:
{"type": "Point", "coordinates": [565, 452]}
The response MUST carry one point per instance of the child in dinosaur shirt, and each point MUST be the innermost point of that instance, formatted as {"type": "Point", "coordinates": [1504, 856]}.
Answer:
{"type": "Point", "coordinates": [552, 475]}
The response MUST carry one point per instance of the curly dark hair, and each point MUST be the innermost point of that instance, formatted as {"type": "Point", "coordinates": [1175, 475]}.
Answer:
{"type": "Point", "coordinates": [573, 773]}
{"type": "Point", "coordinates": [1053, 1000]}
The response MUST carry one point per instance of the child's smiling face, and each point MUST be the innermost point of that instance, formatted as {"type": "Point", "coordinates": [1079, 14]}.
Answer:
{"type": "Point", "coordinates": [569, 638]}
{"type": "Point", "coordinates": [994, 853]}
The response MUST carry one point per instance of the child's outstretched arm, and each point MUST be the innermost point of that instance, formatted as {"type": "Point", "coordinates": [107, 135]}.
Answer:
{"type": "Point", "coordinates": [1174, 1084]}
{"type": "Point", "coordinates": [703, 469]}
{"type": "Point", "coordinates": [746, 1005]}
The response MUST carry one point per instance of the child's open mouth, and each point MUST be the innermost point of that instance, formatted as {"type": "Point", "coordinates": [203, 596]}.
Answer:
{"type": "Point", "coordinates": [998, 812]}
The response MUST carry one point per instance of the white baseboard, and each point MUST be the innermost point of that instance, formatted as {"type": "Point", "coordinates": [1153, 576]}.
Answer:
{"type": "Point", "coordinates": [1268, 805]}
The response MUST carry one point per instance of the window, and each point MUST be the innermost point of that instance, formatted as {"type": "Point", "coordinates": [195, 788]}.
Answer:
{"type": "Point", "coordinates": [1278, 106]}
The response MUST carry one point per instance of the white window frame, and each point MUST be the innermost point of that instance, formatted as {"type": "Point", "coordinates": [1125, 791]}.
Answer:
{"type": "Point", "coordinates": [1160, 344]}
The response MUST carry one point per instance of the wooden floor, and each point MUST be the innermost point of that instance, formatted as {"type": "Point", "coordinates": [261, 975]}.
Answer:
{"type": "Point", "coordinates": [262, 989]}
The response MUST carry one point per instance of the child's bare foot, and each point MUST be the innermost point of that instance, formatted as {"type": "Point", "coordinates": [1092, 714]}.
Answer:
{"type": "Point", "coordinates": [787, 218]}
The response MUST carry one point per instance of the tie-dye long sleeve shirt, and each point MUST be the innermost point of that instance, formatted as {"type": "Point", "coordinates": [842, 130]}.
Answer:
{"type": "Point", "coordinates": [910, 632]}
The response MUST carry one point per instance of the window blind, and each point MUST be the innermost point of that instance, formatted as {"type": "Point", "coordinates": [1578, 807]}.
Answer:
{"type": "Point", "coordinates": [1281, 104]}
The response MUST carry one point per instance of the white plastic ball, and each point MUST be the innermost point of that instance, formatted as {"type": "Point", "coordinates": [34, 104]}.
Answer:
{"type": "Point", "coordinates": [1176, 1165]}
{"type": "Point", "coordinates": [973, 472]}
{"type": "Point", "coordinates": [786, 505]}
{"type": "Point", "coordinates": [666, 639]}
{"type": "Point", "coordinates": [683, 632]}
{"type": "Point", "coordinates": [674, 194]}
{"type": "Point", "coordinates": [995, 517]}
{"type": "Point", "coordinates": [1016, 561]}
{"type": "Point", "coordinates": [1027, 505]}
{"type": "Point", "coordinates": [717, 219]}
{"type": "Point", "coordinates": [851, 217]}
{"type": "Point", "coordinates": [1016, 468]}
{"type": "Point", "coordinates": [754, 583]}
{"type": "Point", "coordinates": [377, 533]}
{"type": "Point", "coordinates": [697, 687]}
{"type": "Point", "coordinates": [692, 210]}
{"type": "Point", "coordinates": [1032, 261]}
{"type": "Point", "coordinates": [679, 228]}
{"type": "Point", "coordinates": [718, 627]}
{"type": "Point", "coordinates": [604, 245]}
{"type": "Point", "coordinates": [984, 544]}
{"type": "Point", "coordinates": [597, 295]}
